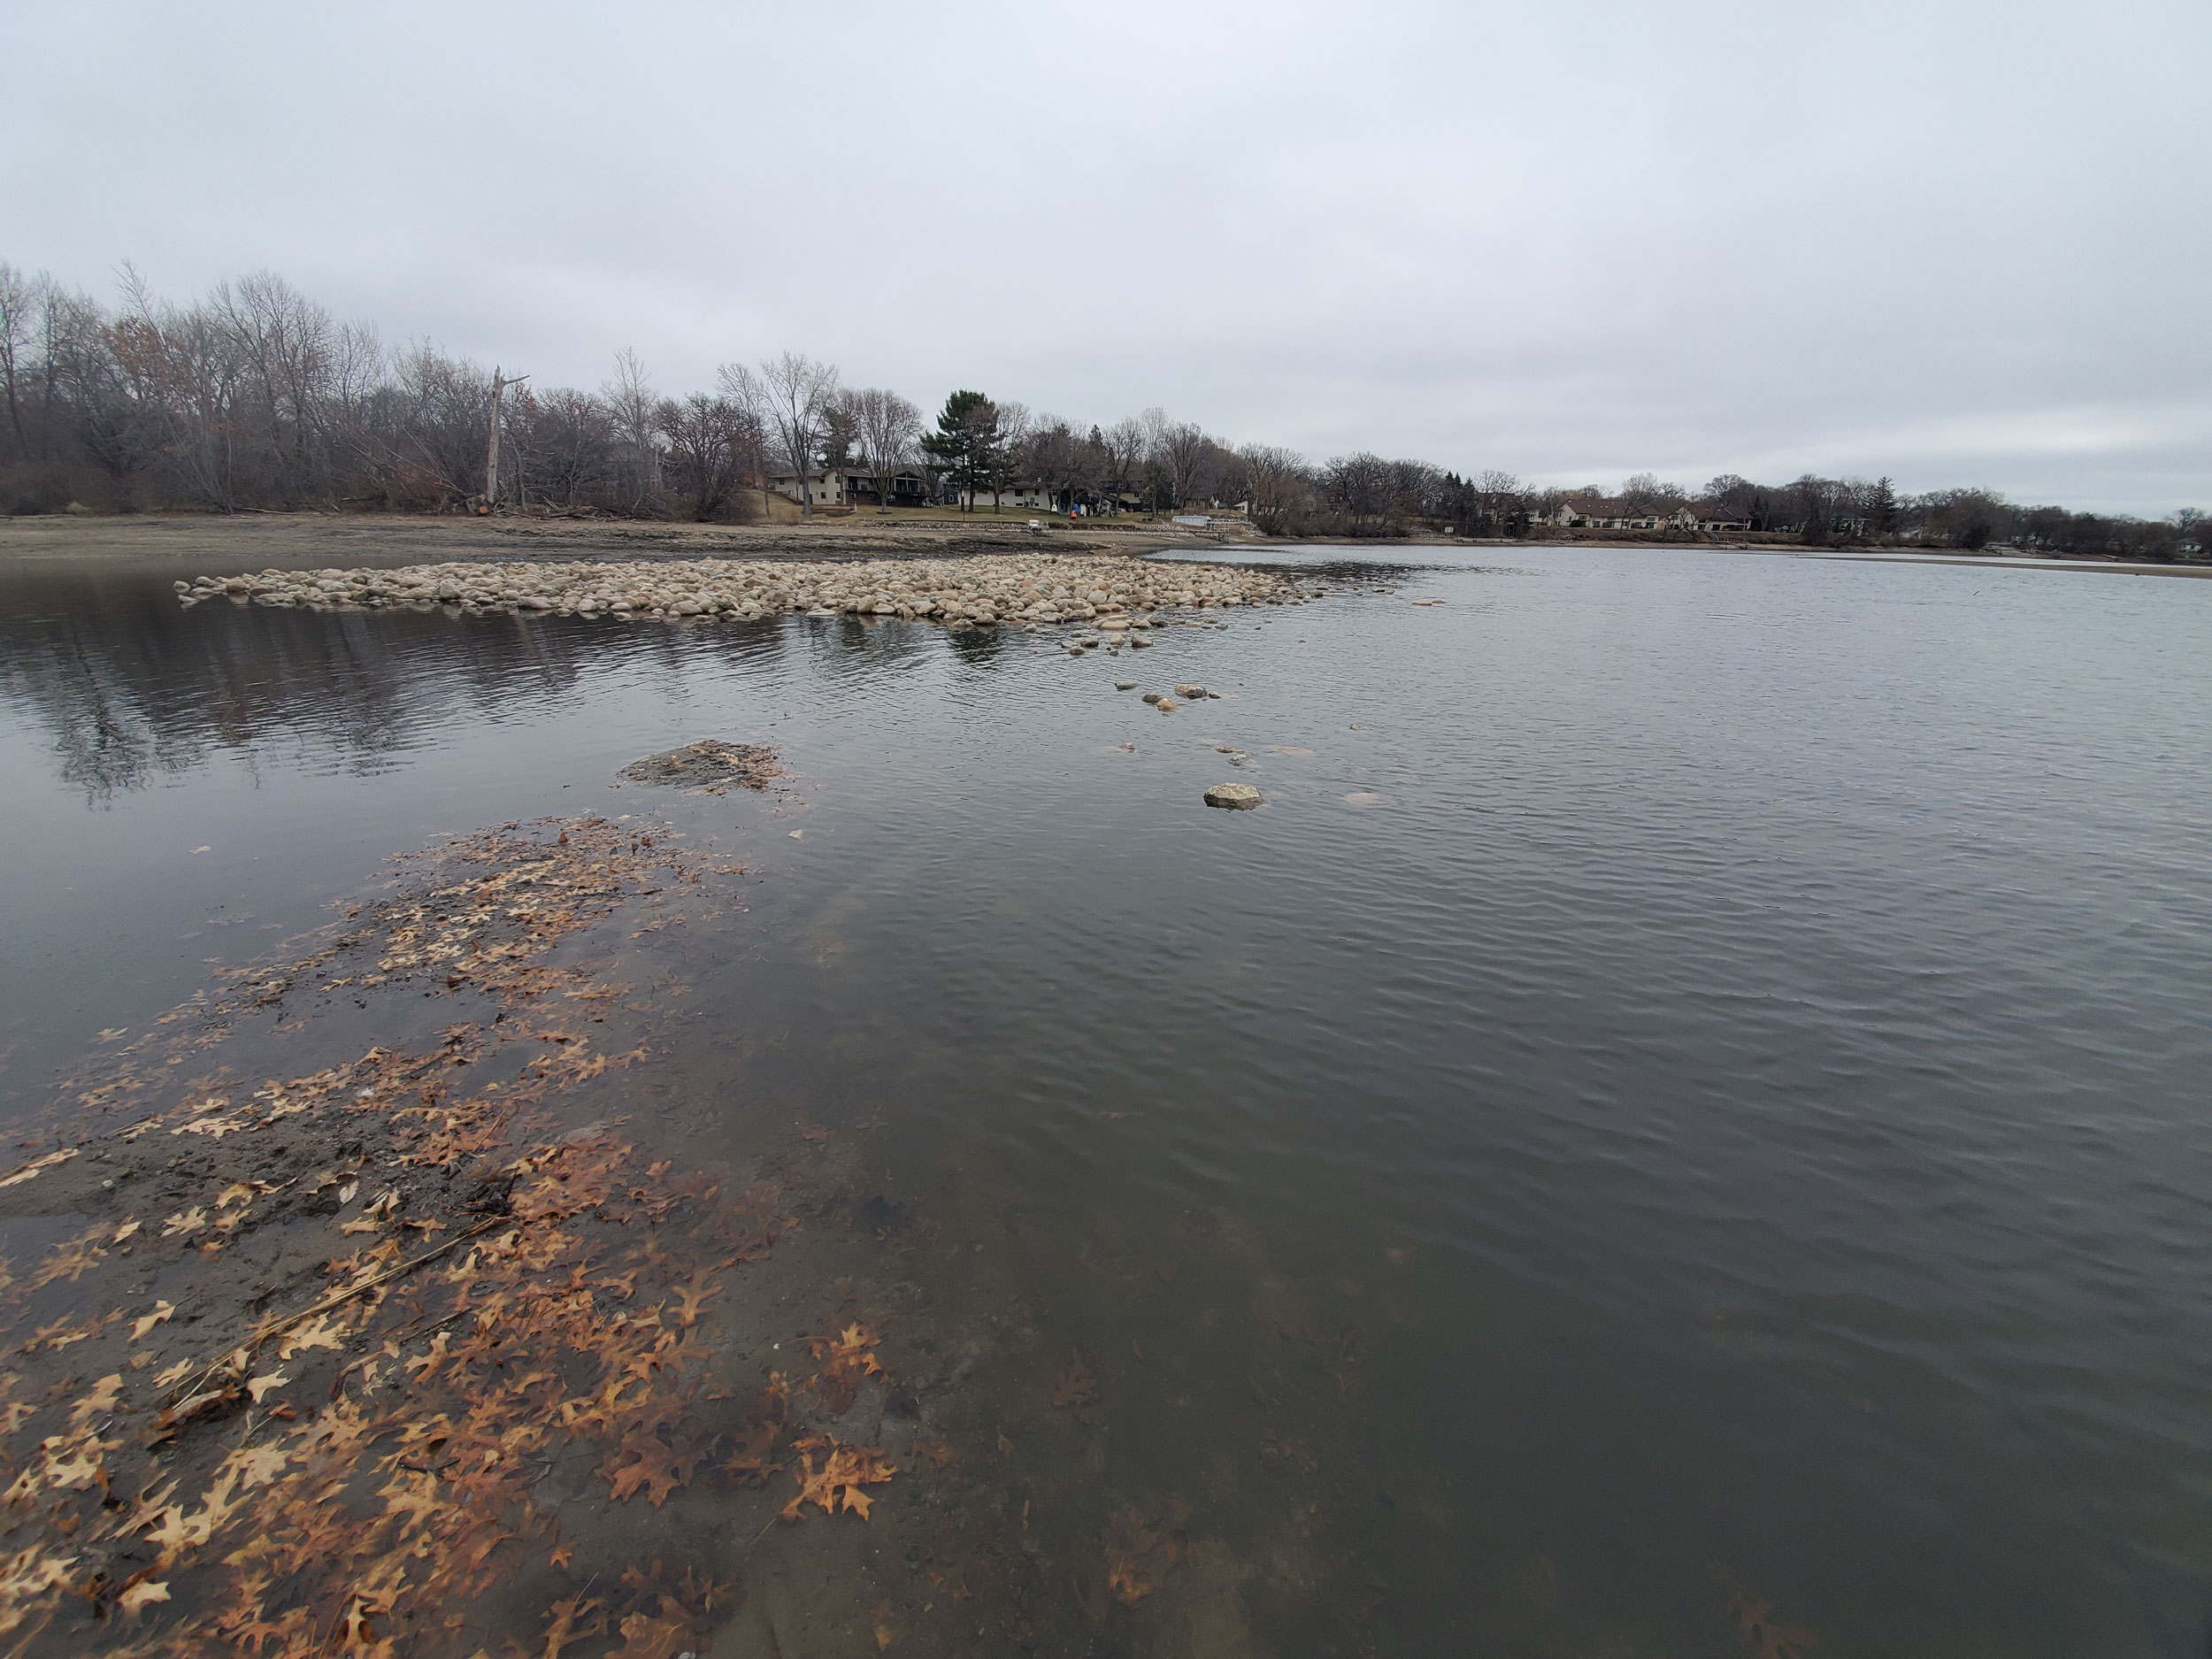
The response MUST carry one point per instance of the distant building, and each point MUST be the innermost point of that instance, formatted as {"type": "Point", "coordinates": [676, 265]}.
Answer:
{"type": "Point", "coordinates": [1027, 493]}
{"type": "Point", "coordinates": [1610, 512]}
{"type": "Point", "coordinates": [842, 486]}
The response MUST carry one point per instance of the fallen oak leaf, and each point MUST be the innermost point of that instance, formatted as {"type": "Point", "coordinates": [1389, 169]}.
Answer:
{"type": "Point", "coordinates": [98, 1404]}
{"type": "Point", "coordinates": [692, 1296]}
{"type": "Point", "coordinates": [139, 1596]}
{"type": "Point", "coordinates": [258, 1466]}
{"type": "Point", "coordinates": [837, 1484]}
{"type": "Point", "coordinates": [568, 1624]}
{"type": "Point", "coordinates": [140, 1326]}
{"type": "Point", "coordinates": [644, 1638]}
{"type": "Point", "coordinates": [32, 1170]}
{"type": "Point", "coordinates": [1755, 1620]}
{"type": "Point", "coordinates": [1073, 1390]}
{"type": "Point", "coordinates": [376, 1215]}
{"type": "Point", "coordinates": [316, 1332]}
{"type": "Point", "coordinates": [1141, 1551]}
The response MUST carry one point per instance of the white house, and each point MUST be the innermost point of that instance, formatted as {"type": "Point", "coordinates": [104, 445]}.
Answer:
{"type": "Point", "coordinates": [1610, 512]}
{"type": "Point", "coordinates": [1026, 494]}
{"type": "Point", "coordinates": [842, 486]}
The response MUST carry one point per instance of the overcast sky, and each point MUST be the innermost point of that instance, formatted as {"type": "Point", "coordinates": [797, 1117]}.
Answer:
{"type": "Point", "coordinates": [1952, 241]}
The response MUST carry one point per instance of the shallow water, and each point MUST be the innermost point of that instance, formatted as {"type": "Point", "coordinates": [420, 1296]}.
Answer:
{"type": "Point", "coordinates": [1691, 1094]}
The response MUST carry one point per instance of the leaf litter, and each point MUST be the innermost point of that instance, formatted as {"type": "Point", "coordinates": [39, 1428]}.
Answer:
{"type": "Point", "coordinates": [364, 1433]}
{"type": "Point", "coordinates": [398, 1332]}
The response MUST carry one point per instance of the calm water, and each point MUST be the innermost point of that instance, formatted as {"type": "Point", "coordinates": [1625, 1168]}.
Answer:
{"type": "Point", "coordinates": [1695, 1084]}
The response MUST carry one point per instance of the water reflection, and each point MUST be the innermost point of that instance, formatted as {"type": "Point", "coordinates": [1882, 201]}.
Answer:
{"type": "Point", "coordinates": [129, 686]}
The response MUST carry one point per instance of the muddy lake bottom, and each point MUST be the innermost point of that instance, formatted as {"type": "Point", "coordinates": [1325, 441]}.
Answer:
{"type": "Point", "coordinates": [1678, 1126]}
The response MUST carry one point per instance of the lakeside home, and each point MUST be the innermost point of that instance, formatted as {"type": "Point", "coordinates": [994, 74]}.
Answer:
{"type": "Point", "coordinates": [1611, 512]}
{"type": "Point", "coordinates": [842, 486]}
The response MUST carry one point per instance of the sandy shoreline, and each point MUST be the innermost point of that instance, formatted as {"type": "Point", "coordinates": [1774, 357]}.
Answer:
{"type": "Point", "coordinates": [306, 541]}
{"type": "Point", "coordinates": [289, 540]}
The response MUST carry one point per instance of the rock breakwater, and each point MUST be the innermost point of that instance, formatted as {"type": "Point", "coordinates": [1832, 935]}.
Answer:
{"type": "Point", "coordinates": [1041, 589]}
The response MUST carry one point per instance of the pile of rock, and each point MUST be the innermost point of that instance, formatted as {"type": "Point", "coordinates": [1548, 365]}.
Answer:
{"type": "Point", "coordinates": [1113, 595]}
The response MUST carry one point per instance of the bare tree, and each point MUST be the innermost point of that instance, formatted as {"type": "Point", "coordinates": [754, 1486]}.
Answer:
{"type": "Point", "coordinates": [1505, 501]}
{"type": "Point", "coordinates": [890, 427]}
{"type": "Point", "coordinates": [1271, 473]}
{"type": "Point", "coordinates": [746, 392]}
{"type": "Point", "coordinates": [630, 400]}
{"type": "Point", "coordinates": [1184, 450]}
{"type": "Point", "coordinates": [796, 393]}
{"type": "Point", "coordinates": [19, 304]}
{"type": "Point", "coordinates": [284, 343]}
{"type": "Point", "coordinates": [1359, 486]}
{"type": "Point", "coordinates": [570, 443]}
{"type": "Point", "coordinates": [1126, 444]}
{"type": "Point", "coordinates": [1004, 455]}
{"type": "Point", "coordinates": [704, 435]}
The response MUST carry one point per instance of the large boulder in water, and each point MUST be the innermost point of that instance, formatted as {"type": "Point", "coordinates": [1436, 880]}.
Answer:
{"type": "Point", "coordinates": [1238, 797]}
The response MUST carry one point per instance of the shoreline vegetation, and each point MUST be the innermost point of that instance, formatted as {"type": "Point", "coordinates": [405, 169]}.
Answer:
{"type": "Point", "coordinates": [254, 398]}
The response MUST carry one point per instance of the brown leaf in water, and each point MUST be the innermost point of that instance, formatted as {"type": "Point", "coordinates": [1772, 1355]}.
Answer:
{"type": "Point", "coordinates": [644, 1638]}
{"type": "Point", "coordinates": [567, 1624]}
{"type": "Point", "coordinates": [141, 1594]}
{"type": "Point", "coordinates": [320, 1332]}
{"type": "Point", "coordinates": [850, 1362]}
{"type": "Point", "coordinates": [645, 1461]}
{"type": "Point", "coordinates": [32, 1170]}
{"type": "Point", "coordinates": [1755, 1621]}
{"type": "Point", "coordinates": [99, 1403]}
{"type": "Point", "coordinates": [24, 1577]}
{"type": "Point", "coordinates": [693, 1294]}
{"type": "Point", "coordinates": [1142, 1549]}
{"type": "Point", "coordinates": [1072, 1390]}
{"type": "Point", "coordinates": [69, 1261]}
{"type": "Point", "coordinates": [837, 1484]}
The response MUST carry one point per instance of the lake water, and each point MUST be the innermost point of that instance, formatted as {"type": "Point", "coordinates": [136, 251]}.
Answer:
{"type": "Point", "coordinates": [1694, 1093]}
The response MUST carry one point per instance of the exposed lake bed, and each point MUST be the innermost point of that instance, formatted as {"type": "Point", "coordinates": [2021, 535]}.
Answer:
{"type": "Point", "coordinates": [1678, 1123]}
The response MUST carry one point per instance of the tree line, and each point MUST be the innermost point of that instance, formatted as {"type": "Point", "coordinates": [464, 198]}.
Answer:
{"type": "Point", "coordinates": [253, 397]}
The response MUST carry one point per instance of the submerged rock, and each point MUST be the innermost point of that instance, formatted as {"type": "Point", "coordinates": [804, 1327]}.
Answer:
{"type": "Point", "coordinates": [711, 765]}
{"type": "Point", "coordinates": [1237, 797]}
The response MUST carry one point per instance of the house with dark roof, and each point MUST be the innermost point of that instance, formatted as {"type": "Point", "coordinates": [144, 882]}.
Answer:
{"type": "Point", "coordinates": [1612, 512]}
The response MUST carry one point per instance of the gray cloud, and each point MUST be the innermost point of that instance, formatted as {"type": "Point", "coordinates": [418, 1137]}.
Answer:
{"type": "Point", "coordinates": [1952, 242]}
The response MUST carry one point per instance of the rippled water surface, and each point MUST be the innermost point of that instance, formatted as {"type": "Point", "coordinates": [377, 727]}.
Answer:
{"type": "Point", "coordinates": [1692, 1093]}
